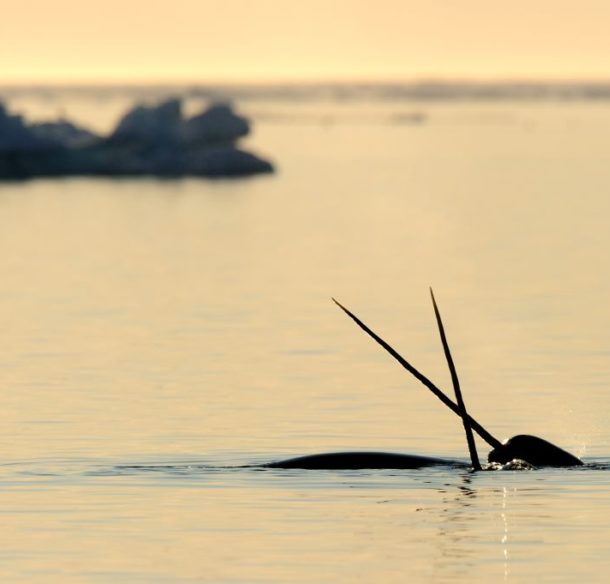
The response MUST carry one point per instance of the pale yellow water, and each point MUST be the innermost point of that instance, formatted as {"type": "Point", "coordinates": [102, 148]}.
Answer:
{"type": "Point", "coordinates": [156, 335]}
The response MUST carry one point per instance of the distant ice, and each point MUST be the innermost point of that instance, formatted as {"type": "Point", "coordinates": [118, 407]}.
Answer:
{"type": "Point", "coordinates": [152, 140]}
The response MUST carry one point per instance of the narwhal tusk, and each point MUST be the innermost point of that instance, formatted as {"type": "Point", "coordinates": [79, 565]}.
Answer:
{"type": "Point", "coordinates": [472, 447]}
{"type": "Point", "coordinates": [482, 432]}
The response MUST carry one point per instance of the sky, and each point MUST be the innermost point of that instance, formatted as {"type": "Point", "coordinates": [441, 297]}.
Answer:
{"type": "Point", "coordinates": [59, 41]}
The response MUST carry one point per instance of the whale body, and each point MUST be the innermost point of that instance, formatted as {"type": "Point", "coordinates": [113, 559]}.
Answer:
{"type": "Point", "coordinates": [363, 460]}
{"type": "Point", "coordinates": [536, 451]}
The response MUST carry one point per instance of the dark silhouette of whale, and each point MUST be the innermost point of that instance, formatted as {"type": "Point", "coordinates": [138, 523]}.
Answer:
{"type": "Point", "coordinates": [536, 451]}
{"type": "Point", "coordinates": [531, 449]}
{"type": "Point", "coordinates": [359, 460]}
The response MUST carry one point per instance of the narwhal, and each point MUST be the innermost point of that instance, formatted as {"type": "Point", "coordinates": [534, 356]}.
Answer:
{"type": "Point", "coordinates": [533, 450]}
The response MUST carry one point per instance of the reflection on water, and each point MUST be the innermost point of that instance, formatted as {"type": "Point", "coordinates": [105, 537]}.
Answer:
{"type": "Point", "coordinates": [185, 520]}
{"type": "Point", "coordinates": [156, 336]}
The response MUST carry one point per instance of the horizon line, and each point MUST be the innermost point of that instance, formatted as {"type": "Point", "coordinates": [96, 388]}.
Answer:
{"type": "Point", "coordinates": [312, 81]}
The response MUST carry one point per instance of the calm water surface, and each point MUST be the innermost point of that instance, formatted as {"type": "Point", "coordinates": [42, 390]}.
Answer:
{"type": "Point", "coordinates": [159, 335]}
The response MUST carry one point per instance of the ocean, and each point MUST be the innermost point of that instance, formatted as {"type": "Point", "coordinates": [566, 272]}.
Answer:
{"type": "Point", "coordinates": [162, 339]}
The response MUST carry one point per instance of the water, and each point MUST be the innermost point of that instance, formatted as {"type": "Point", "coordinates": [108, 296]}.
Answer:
{"type": "Point", "coordinates": [158, 335]}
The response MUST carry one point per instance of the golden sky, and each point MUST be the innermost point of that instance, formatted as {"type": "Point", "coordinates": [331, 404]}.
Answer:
{"type": "Point", "coordinates": [261, 40]}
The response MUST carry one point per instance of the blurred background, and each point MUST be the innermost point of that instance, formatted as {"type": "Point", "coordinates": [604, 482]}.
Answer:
{"type": "Point", "coordinates": [270, 40]}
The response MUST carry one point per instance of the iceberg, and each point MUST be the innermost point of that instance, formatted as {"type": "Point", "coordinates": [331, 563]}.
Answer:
{"type": "Point", "coordinates": [149, 140]}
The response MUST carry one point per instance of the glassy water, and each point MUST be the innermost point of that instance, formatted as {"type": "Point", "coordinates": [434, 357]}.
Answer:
{"type": "Point", "coordinates": [162, 338]}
